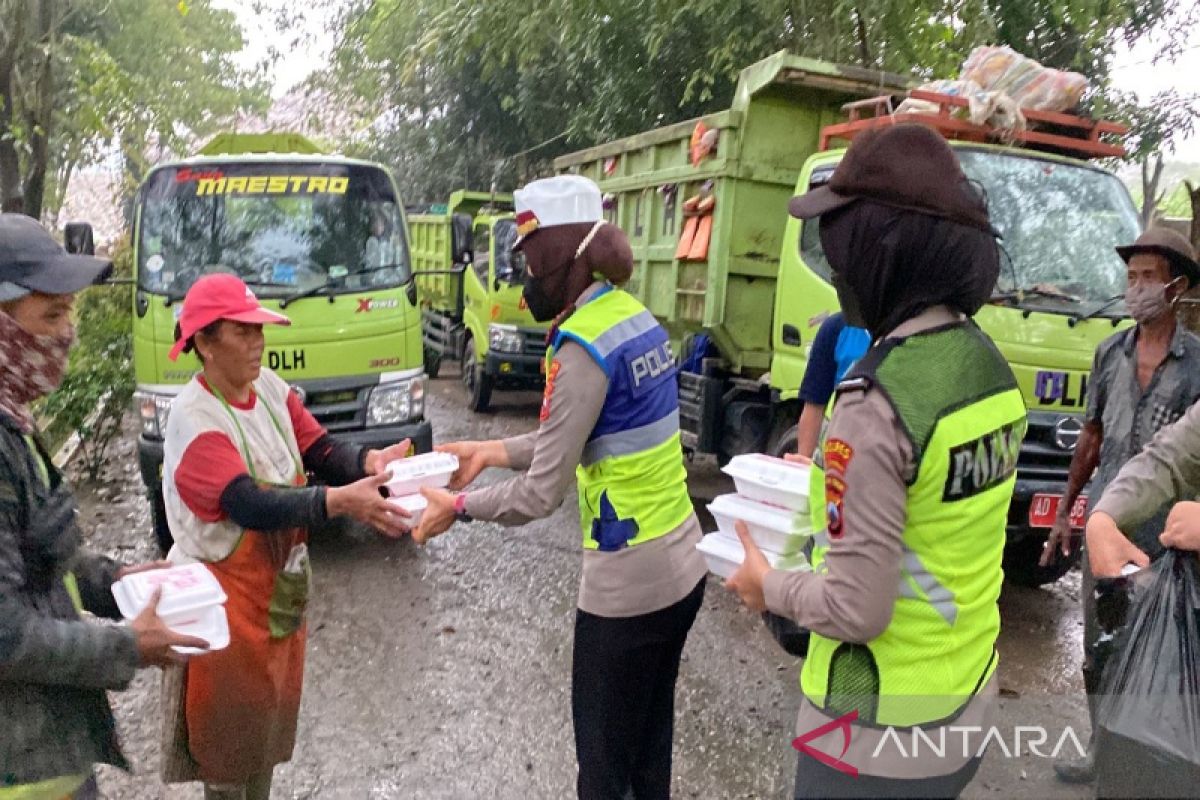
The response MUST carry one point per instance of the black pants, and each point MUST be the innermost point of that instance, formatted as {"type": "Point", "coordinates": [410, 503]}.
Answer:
{"type": "Point", "coordinates": [815, 780]}
{"type": "Point", "coordinates": [623, 699]}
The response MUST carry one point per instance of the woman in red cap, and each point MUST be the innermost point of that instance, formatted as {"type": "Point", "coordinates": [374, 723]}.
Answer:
{"type": "Point", "coordinates": [238, 446]}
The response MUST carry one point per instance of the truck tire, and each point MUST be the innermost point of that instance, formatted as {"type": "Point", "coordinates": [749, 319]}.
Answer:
{"type": "Point", "coordinates": [477, 382]}
{"type": "Point", "coordinates": [433, 363]}
{"type": "Point", "coordinates": [158, 518]}
{"type": "Point", "coordinates": [1021, 563]}
{"type": "Point", "coordinates": [783, 442]}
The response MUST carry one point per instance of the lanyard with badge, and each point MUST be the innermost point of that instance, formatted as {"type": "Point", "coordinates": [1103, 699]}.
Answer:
{"type": "Point", "coordinates": [293, 580]}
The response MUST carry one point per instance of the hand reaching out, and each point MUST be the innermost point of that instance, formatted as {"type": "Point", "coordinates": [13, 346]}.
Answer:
{"type": "Point", "coordinates": [363, 501]}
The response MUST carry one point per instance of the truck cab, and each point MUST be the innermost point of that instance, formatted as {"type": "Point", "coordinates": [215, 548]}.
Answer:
{"type": "Point", "coordinates": [470, 283]}
{"type": "Point", "coordinates": [320, 238]}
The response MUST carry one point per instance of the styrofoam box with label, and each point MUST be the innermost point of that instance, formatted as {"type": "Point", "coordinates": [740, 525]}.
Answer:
{"type": "Point", "coordinates": [774, 529]}
{"type": "Point", "coordinates": [414, 504]}
{"type": "Point", "coordinates": [725, 554]}
{"type": "Point", "coordinates": [412, 473]}
{"type": "Point", "coordinates": [192, 602]}
{"type": "Point", "coordinates": [770, 480]}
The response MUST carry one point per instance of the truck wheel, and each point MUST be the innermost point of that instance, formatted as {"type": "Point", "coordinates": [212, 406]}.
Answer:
{"type": "Point", "coordinates": [433, 363]}
{"type": "Point", "coordinates": [1021, 563]}
{"type": "Point", "coordinates": [158, 518]}
{"type": "Point", "coordinates": [783, 443]}
{"type": "Point", "coordinates": [477, 382]}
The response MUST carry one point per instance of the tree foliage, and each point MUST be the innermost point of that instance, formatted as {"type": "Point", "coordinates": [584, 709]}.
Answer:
{"type": "Point", "coordinates": [79, 78]}
{"type": "Point", "coordinates": [466, 87]}
{"type": "Point", "coordinates": [98, 386]}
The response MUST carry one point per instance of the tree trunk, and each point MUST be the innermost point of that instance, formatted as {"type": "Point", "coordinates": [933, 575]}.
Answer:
{"type": "Point", "coordinates": [1151, 177]}
{"type": "Point", "coordinates": [40, 113]}
{"type": "Point", "coordinates": [1194, 196]}
{"type": "Point", "coordinates": [1189, 310]}
{"type": "Point", "coordinates": [10, 165]}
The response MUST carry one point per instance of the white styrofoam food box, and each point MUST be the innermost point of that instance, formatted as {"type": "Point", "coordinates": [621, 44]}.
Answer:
{"type": "Point", "coordinates": [770, 480]}
{"type": "Point", "coordinates": [192, 601]}
{"type": "Point", "coordinates": [774, 529]}
{"type": "Point", "coordinates": [724, 555]}
{"type": "Point", "coordinates": [414, 504]}
{"type": "Point", "coordinates": [412, 473]}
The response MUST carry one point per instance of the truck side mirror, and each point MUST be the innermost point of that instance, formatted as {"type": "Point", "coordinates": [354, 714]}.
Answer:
{"type": "Point", "coordinates": [461, 246]}
{"type": "Point", "coordinates": [78, 239]}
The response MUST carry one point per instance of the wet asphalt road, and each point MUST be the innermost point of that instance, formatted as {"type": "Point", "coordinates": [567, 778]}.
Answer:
{"type": "Point", "coordinates": [444, 672]}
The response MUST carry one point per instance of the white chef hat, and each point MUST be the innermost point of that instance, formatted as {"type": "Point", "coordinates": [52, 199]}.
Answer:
{"type": "Point", "coordinates": [561, 200]}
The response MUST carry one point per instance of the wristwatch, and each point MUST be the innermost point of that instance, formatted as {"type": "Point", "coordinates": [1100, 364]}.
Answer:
{"type": "Point", "coordinates": [460, 508]}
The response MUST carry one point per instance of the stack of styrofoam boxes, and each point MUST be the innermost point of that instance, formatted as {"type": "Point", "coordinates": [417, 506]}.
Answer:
{"type": "Point", "coordinates": [410, 474]}
{"type": "Point", "coordinates": [192, 602]}
{"type": "Point", "coordinates": [772, 499]}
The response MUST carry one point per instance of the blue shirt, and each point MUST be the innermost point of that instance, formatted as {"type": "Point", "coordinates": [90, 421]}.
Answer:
{"type": "Point", "coordinates": [834, 350]}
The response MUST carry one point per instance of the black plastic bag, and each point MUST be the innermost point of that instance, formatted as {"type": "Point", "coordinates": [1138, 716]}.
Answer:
{"type": "Point", "coordinates": [790, 636]}
{"type": "Point", "coordinates": [1148, 742]}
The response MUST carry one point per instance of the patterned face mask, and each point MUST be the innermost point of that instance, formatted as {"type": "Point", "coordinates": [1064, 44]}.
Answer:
{"type": "Point", "coordinates": [30, 367]}
{"type": "Point", "coordinates": [1148, 301]}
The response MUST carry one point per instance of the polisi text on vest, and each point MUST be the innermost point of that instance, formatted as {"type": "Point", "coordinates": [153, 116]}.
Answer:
{"type": "Point", "coordinates": [982, 463]}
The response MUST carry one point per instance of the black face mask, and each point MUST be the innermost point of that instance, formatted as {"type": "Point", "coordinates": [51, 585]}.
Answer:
{"type": "Point", "coordinates": [848, 301]}
{"type": "Point", "coordinates": [543, 303]}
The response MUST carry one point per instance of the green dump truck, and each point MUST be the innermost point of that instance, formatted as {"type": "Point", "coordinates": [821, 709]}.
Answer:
{"type": "Point", "coordinates": [322, 239]}
{"type": "Point", "coordinates": [469, 287]}
{"type": "Point", "coordinates": [742, 287]}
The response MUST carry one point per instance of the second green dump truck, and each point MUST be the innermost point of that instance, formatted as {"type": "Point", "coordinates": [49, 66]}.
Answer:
{"type": "Point", "coordinates": [469, 285]}
{"type": "Point", "coordinates": [742, 287]}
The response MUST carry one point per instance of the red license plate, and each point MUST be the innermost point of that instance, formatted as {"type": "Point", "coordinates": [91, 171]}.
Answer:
{"type": "Point", "coordinates": [1044, 508]}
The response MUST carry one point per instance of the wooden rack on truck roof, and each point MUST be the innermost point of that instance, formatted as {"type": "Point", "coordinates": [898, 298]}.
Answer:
{"type": "Point", "coordinates": [1066, 134]}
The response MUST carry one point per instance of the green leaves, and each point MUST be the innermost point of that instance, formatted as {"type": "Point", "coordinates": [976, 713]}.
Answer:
{"type": "Point", "coordinates": [467, 84]}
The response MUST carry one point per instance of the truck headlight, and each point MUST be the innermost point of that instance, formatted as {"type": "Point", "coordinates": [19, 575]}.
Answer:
{"type": "Point", "coordinates": [153, 410]}
{"type": "Point", "coordinates": [505, 339]}
{"type": "Point", "coordinates": [393, 403]}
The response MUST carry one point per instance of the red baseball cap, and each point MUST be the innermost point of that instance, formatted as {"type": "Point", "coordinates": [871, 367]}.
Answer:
{"type": "Point", "coordinates": [220, 296]}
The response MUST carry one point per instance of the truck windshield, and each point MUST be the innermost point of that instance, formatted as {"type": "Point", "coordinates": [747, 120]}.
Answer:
{"type": "Point", "coordinates": [281, 227]}
{"type": "Point", "coordinates": [510, 266]}
{"type": "Point", "coordinates": [1060, 223]}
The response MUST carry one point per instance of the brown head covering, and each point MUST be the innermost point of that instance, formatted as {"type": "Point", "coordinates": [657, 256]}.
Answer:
{"type": "Point", "coordinates": [550, 257]}
{"type": "Point", "coordinates": [1170, 245]}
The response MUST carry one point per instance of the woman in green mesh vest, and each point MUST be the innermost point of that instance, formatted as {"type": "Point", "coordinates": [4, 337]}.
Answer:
{"type": "Point", "coordinates": [918, 463]}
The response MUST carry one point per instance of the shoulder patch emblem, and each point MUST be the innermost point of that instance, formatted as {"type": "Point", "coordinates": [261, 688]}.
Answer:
{"type": "Point", "coordinates": [548, 392]}
{"type": "Point", "coordinates": [837, 455]}
{"type": "Point", "coordinates": [835, 491]}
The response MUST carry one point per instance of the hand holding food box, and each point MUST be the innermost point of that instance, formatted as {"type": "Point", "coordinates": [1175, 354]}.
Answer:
{"type": "Point", "coordinates": [411, 474]}
{"type": "Point", "coordinates": [772, 500]}
{"type": "Point", "coordinates": [192, 602]}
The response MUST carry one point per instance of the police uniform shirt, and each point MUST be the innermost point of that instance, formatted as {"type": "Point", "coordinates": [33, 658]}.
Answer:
{"type": "Point", "coordinates": [853, 600]}
{"type": "Point", "coordinates": [633, 580]}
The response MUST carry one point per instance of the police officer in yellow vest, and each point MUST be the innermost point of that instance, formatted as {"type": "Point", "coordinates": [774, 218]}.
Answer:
{"type": "Point", "coordinates": [610, 422]}
{"type": "Point", "coordinates": [919, 462]}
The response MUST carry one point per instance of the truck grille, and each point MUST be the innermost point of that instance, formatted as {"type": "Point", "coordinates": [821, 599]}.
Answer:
{"type": "Point", "coordinates": [339, 403]}
{"type": "Point", "coordinates": [1048, 446]}
{"type": "Point", "coordinates": [534, 341]}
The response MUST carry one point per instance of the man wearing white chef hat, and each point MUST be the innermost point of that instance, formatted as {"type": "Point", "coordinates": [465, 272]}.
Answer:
{"type": "Point", "coordinates": [611, 407]}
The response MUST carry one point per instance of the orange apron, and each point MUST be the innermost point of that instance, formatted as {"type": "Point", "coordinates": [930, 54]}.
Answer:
{"type": "Point", "coordinates": [242, 703]}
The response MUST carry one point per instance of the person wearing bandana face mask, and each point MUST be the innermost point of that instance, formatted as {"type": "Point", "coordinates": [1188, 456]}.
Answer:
{"type": "Point", "coordinates": [1142, 380]}
{"type": "Point", "coordinates": [55, 721]}
{"type": "Point", "coordinates": [901, 602]}
{"type": "Point", "coordinates": [610, 423]}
